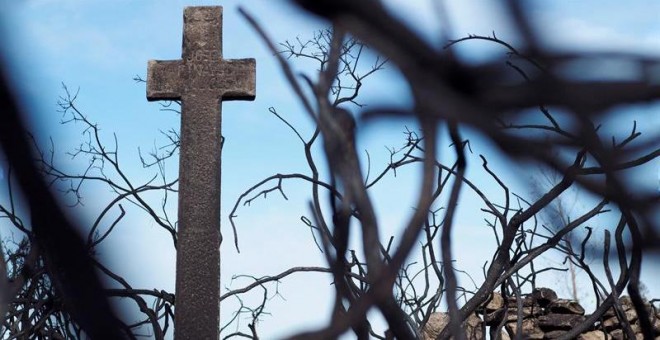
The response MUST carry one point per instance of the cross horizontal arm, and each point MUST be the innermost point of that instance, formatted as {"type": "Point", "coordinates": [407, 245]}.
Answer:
{"type": "Point", "coordinates": [163, 80]}
{"type": "Point", "coordinates": [232, 79]}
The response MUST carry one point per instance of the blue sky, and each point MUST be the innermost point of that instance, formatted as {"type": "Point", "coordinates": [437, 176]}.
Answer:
{"type": "Point", "coordinates": [99, 46]}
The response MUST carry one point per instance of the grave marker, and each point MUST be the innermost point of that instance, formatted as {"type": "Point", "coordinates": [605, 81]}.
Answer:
{"type": "Point", "coordinates": [201, 80]}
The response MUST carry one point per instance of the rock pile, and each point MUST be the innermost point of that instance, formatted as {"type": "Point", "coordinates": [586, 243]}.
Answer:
{"type": "Point", "coordinates": [437, 322]}
{"type": "Point", "coordinates": [614, 328]}
{"type": "Point", "coordinates": [545, 316]}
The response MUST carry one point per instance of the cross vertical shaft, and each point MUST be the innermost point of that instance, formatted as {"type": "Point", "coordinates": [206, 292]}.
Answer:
{"type": "Point", "coordinates": [201, 80]}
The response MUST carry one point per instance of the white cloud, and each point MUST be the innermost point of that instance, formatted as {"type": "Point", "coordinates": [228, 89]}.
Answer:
{"type": "Point", "coordinates": [465, 17]}
{"type": "Point", "coordinates": [634, 28]}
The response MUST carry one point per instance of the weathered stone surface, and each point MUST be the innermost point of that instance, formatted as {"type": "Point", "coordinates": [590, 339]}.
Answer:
{"type": "Point", "coordinates": [559, 321]}
{"type": "Point", "coordinates": [496, 302]}
{"type": "Point", "coordinates": [562, 315]}
{"type": "Point", "coordinates": [201, 71]}
{"type": "Point", "coordinates": [627, 305]}
{"type": "Point", "coordinates": [594, 335]}
{"type": "Point", "coordinates": [614, 322]}
{"type": "Point", "coordinates": [473, 328]}
{"type": "Point", "coordinates": [493, 311]}
{"type": "Point", "coordinates": [494, 318]}
{"type": "Point", "coordinates": [544, 296]}
{"type": "Point", "coordinates": [554, 334]}
{"type": "Point", "coordinates": [626, 302]}
{"type": "Point", "coordinates": [617, 334]}
{"type": "Point", "coordinates": [610, 312]}
{"type": "Point", "coordinates": [527, 301]}
{"type": "Point", "coordinates": [438, 321]}
{"type": "Point", "coordinates": [530, 329]}
{"type": "Point", "coordinates": [631, 315]}
{"type": "Point", "coordinates": [611, 323]}
{"type": "Point", "coordinates": [435, 325]}
{"type": "Point", "coordinates": [636, 328]}
{"type": "Point", "coordinates": [564, 306]}
{"type": "Point", "coordinates": [201, 80]}
{"type": "Point", "coordinates": [512, 313]}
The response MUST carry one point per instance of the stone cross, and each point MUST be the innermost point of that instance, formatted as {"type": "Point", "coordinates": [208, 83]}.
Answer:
{"type": "Point", "coordinates": [201, 80]}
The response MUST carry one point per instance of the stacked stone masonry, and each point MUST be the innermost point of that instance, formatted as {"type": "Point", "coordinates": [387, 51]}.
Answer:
{"type": "Point", "coordinates": [544, 316]}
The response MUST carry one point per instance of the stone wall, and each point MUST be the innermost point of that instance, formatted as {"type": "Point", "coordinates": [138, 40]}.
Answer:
{"type": "Point", "coordinates": [544, 316]}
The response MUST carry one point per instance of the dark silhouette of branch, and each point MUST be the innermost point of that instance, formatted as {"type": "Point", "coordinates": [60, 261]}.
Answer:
{"type": "Point", "coordinates": [66, 258]}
